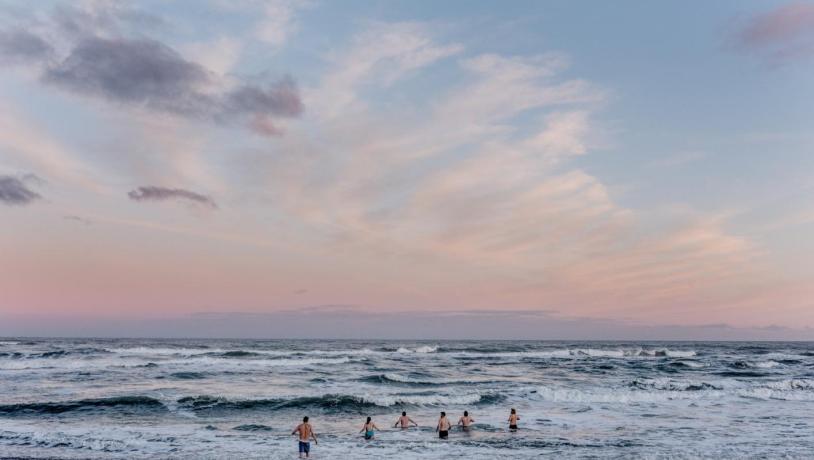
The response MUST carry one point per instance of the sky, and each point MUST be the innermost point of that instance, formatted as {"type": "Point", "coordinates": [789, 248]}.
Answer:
{"type": "Point", "coordinates": [540, 169]}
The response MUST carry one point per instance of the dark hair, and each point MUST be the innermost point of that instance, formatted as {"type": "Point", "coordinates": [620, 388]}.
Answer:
{"type": "Point", "coordinates": [466, 413]}
{"type": "Point", "coordinates": [513, 411]}
{"type": "Point", "coordinates": [404, 412]}
{"type": "Point", "coordinates": [443, 414]}
{"type": "Point", "coordinates": [368, 420]}
{"type": "Point", "coordinates": [305, 419]}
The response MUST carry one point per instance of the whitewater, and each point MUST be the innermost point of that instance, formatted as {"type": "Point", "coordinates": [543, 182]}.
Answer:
{"type": "Point", "coordinates": [151, 399]}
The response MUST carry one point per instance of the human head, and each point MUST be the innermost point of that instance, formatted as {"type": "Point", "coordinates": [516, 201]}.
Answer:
{"type": "Point", "coordinates": [368, 420]}
{"type": "Point", "coordinates": [404, 413]}
{"type": "Point", "coordinates": [466, 413]}
{"type": "Point", "coordinates": [513, 411]}
{"type": "Point", "coordinates": [443, 414]}
{"type": "Point", "coordinates": [305, 419]}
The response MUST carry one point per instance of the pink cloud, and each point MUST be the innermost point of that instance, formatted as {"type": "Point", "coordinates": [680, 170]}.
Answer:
{"type": "Point", "coordinates": [782, 34]}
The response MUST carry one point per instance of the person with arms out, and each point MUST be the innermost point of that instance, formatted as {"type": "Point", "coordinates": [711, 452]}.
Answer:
{"type": "Point", "coordinates": [404, 421]}
{"type": "Point", "coordinates": [443, 426]}
{"type": "Point", "coordinates": [369, 428]}
{"type": "Point", "coordinates": [306, 433]}
{"type": "Point", "coordinates": [513, 418]}
{"type": "Point", "coordinates": [466, 421]}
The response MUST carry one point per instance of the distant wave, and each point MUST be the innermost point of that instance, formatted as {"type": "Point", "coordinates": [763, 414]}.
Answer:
{"type": "Point", "coordinates": [755, 364]}
{"type": "Point", "coordinates": [398, 379]}
{"type": "Point", "coordinates": [237, 353]}
{"type": "Point", "coordinates": [252, 427]}
{"type": "Point", "coordinates": [330, 402]}
{"type": "Point", "coordinates": [121, 402]}
{"type": "Point", "coordinates": [584, 353]}
{"type": "Point", "coordinates": [187, 375]}
{"type": "Point", "coordinates": [660, 390]}
{"type": "Point", "coordinates": [423, 349]}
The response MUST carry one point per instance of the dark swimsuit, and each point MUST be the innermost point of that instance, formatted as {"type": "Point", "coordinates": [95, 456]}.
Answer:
{"type": "Point", "coordinates": [443, 434]}
{"type": "Point", "coordinates": [512, 427]}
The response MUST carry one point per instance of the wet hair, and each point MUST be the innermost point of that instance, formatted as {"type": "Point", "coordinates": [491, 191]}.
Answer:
{"type": "Point", "coordinates": [403, 413]}
{"type": "Point", "coordinates": [305, 419]}
{"type": "Point", "coordinates": [513, 411]}
{"type": "Point", "coordinates": [368, 419]}
{"type": "Point", "coordinates": [466, 413]}
{"type": "Point", "coordinates": [443, 414]}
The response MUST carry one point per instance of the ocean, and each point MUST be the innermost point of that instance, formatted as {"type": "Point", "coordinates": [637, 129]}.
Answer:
{"type": "Point", "coordinates": [134, 399]}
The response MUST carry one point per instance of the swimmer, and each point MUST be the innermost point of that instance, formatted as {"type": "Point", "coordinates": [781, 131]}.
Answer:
{"type": "Point", "coordinates": [443, 426]}
{"type": "Point", "coordinates": [306, 433]}
{"type": "Point", "coordinates": [369, 429]}
{"type": "Point", "coordinates": [466, 421]}
{"type": "Point", "coordinates": [404, 421]}
{"type": "Point", "coordinates": [513, 418]}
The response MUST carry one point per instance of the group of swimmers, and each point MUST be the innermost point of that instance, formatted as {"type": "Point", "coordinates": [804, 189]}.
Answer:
{"type": "Point", "coordinates": [306, 432]}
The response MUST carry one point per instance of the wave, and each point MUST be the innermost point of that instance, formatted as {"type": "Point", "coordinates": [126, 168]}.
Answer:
{"type": "Point", "coordinates": [398, 379]}
{"type": "Point", "coordinates": [584, 353]}
{"type": "Point", "coordinates": [690, 364]}
{"type": "Point", "coordinates": [239, 353]}
{"type": "Point", "coordinates": [140, 403]}
{"type": "Point", "coordinates": [755, 364]}
{"type": "Point", "coordinates": [332, 402]}
{"type": "Point", "coordinates": [187, 375]}
{"type": "Point", "coordinates": [672, 385]}
{"type": "Point", "coordinates": [661, 390]}
{"type": "Point", "coordinates": [422, 349]}
{"type": "Point", "coordinates": [252, 427]}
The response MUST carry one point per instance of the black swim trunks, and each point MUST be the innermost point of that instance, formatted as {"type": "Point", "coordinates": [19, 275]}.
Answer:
{"type": "Point", "coordinates": [512, 427]}
{"type": "Point", "coordinates": [443, 434]}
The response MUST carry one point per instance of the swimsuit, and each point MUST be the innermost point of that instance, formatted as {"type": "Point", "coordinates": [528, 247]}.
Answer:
{"type": "Point", "coordinates": [443, 434]}
{"type": "Point", "coordinates": [305, 447]}
{"type": "Point", "coordinates": [512, 427]}
{"type": "Point", "coordinates": [369, 434]}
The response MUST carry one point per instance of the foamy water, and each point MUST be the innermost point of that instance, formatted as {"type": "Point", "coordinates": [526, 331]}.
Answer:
{"type": "Point", "coordinates": [241, 399]}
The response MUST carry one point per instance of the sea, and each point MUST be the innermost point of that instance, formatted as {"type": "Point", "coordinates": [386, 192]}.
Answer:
{"type": "Point", "coordinates": [241, 399]}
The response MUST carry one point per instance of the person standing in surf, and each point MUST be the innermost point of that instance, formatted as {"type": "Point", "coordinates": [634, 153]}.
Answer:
{"type": "Point", "coordinates": [306, 433]}
{"type": "Point", "coordinates": [466, 421]}
{"type": "Point", "coordinates": [443, 426]}
{"type": "Point", "coordinates": [513, 418]}
{"type": "Point", "coordinates": [404, 421]}
{"type": "Point", "coordinates": [369, 429]}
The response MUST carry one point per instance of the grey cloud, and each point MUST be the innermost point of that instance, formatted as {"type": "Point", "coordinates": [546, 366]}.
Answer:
{"type": "Point", "coordinates": [21, 45]}
{"type": "Point", "coordinates": [152, 193]}
{"type": "Point", "coordinates": [149, 74]}
{"type": "Point", "coordinates": [15, 191]}
{"type": "Point", "coordinates": [104, 61]}
{"type": "Point", "coordinates": [281, 99]}
{"type": "Point", "coordinates": [142, 72]}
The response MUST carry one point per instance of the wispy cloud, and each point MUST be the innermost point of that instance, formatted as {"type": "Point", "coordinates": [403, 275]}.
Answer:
{"type": "Point", "coordinates": [279, 20]}
{"type": "Point", "coordinates": [79, 219]}
{"type": "Point", "coordinates": [16, 191]}
{"type": "Point", "coordinates": [780, 35]}
{"type": "Point", "coordinates": [153, 193]}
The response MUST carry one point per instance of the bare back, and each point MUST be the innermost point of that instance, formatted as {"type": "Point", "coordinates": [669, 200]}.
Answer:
{"type": "Point", "coordinates": [305, 431]}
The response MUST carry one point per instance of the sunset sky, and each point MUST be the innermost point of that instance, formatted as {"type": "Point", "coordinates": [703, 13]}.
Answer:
{"type": "Point", "coordinates": [636, 162]}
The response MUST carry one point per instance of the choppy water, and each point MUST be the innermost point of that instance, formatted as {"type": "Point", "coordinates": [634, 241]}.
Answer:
{"type": "Point", "coordinates": [241, 399]}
